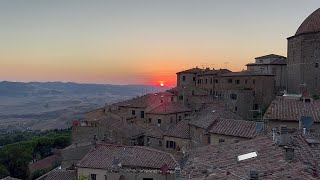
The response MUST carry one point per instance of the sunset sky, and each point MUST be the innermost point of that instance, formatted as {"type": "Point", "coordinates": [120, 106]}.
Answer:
{"type": "Point", "coordinates": [140, 41]}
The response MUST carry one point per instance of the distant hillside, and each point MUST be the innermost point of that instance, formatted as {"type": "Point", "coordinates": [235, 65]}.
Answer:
{"type": "Point", "coordinates": [51, 105]}
{"type": "Point", "coordinates": [59, 88]}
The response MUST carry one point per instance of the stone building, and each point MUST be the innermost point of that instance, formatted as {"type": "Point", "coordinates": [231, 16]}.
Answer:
{"type": "Point", "coordinates": [272, 64]}
{"type": "Point", "coordinates": [167, 114]}
{"type": "Point", "coordinates": [246, 91]}
{"type": "Point", "coordinates": [107, 161]}
{"type": "Point", "coordinates": [177, 138]}
{"type": "Point", "coordinates": [288, 111]}
{"type": "Point", "coordinates": [304, 57]}
{"type": "Point", "coordinates": [202, 121]}
{"type": "Point", "coordinates": [231, 130]}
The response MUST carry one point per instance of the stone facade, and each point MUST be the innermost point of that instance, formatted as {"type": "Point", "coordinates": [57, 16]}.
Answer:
{"type": "Point", "coordinates": [304, 57]}
{"type": "Point", "coordinates": [304, 63]}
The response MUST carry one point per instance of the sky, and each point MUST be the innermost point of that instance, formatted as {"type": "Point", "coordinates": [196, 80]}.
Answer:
{"type": "Point", "coordinates": [140, 41]}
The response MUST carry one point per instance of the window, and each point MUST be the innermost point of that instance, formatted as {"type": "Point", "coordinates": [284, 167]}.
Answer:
{"type": "Point", "coordinates": [236, 108]}
{"type": "Point", "coordinates": [105, 177]}
{"type": "Point", "coordinates": [216, 81]}
{"type": "Point", "coordinates": [221, 140]}
{"type": "Point", "coordinates": [199, 81]}
{"type": "Point", "coordinates": [171, 120]}
{"type": "Point", "coordinates": [246, 81]}
{"type": "Point", "coordinates": [194, 78]}
{"type": "Point", "coordinates": [206, 81]}
{"type": "Point", "coordinates": [171, 144]}
{"type": "Point", "coordinates": [237, 81]}
{"type": "Point", "coordinates": [254, 81]}
{"type": "Point", "coordinates": [261, 61]}
{"type": "Point", "coordinates": [93, 176]}
{"type": "Point", "coordinates": [147, 179]}
{"type": "Point", "coordinates": [183, 78]}
{"type": "Point", "coordinates": [171, 98]}
{"type": "Point", "coordinates": [211, 81]}
{"type": "Point", "coordinates": [192, 93]}
{"type": "Point", "coordinates": [233, 96]}
{"type": "Point", "coordinates": [159, 121]}
{"type": "Point", "coordinates": [211, 91]}
{"type": "Point", "coordinates": [255, 107]}
{"type": "Point", "coordinates": [142, 114]}
{"type": "Point", "coordinates": [316, 65]}
{"type": "Point", "coordinates": [161, 101]}
{"type": "Point", "coordinates": [180, 97]}
{"type": "Point", "coordinates": [133, 112]}
{"type": "Point", "coordinates": [150, 120]}
{"type": "Point", "coordinates": [160, 143]}
{"type": "Point", "coordinates": [95, 137]}
{"type": "Point", "coordinates": [229, 80]}
{"type": "Point", "coordinates": [180, 118]}
{"type": "Point", "coordinates": [209, 140]}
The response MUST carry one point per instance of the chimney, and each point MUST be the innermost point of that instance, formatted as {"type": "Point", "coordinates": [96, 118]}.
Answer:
{"type": "Point", "coordinates": [304, 131]}
{"type": "Point", "coordinates": [253, 175]}
{"type": "Point", "coordinates": [177, 172]}
{"type": "Point", "coordinates": [289, 154]}
{"type": "Point", "coordinates": [283, 135]}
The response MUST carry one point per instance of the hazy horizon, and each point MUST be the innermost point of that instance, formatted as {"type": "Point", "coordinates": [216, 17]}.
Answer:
{"type": "Point", "coordinates": [139, 42]}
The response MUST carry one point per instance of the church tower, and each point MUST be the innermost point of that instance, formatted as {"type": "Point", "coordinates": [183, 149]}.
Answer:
{"type": "Point", "coordinates": [304, 57]}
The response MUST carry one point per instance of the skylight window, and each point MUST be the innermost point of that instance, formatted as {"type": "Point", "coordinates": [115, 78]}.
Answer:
{"type": "Point", "coordinates": [247, 156]}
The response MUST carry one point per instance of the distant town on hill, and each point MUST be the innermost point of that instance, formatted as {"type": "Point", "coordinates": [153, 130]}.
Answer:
{"type": "Point", "coordinates": [51, 105]}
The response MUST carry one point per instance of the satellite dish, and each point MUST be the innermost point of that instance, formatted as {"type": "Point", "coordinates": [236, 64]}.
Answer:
{"type": "Point", "coordinates": [307, 121]}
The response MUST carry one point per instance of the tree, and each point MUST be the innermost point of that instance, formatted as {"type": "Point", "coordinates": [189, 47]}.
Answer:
{"type": "Point", "coordinates": [3, 171]}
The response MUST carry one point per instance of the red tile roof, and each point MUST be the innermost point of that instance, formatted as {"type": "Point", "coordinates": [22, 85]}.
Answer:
{"type": "Point", "coordinates": [231, 127]}
{"type": "Point", "coordinates": [46, 163]}
{"type": "Point", "coordinates": [270, 56]}
{"type": "Point", "coordinates": [192, 70]}
{"type": "Point", "coordinates": [310, 24]}
{"type": "Point", "coordinates": [62, 175]}
{"type": "Point", "coordinates": [9, 178]}
{"type": "Point", "coordinates": [131, 129]}
{"type": "Point", "coordinates": [180, 130]}
{"type": "Point", "coordinates": [153, 131]}
{"type": "Point", "coordinates": [144, 101]}
{"type": "Point", "coordinates": [209, 113]}
{"type": "Point", "coordinates": [285, 109]}
{"type": "Point", "coordinates": [169, 108]}
{"type": "Point", "coordinates": [245, 73]}
{"type": "Point", "coordinates": [216, 162]}
{"type": "Point", "coordinates": [132, 157]}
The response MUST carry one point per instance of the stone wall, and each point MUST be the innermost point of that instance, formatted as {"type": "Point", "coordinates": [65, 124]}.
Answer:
{"type": "Point", "coordinates": [303, 56]}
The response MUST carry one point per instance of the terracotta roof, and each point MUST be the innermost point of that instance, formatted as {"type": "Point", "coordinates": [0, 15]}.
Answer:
{"type": "Point", "coordinates": [209, 113]}
{"type": "Point", "coordinates": [220, 162]}
{"type": "Point", "coordinates": [304, 151]}
{"type": "Point", "coordinates": [192, 70]}
{"type": "Point", "coordinates": [131, 129]}
{"type": "Point", "coordinates": [46, 163]}
{"type": "Point", "coordinates": [292, 110]}
{"type": "Point", "coordinates": [131, 157]}
{"type": "Point", "coordinates": [216, 72]}
{"type": "Point", "coordinates": [10, 178]}
{"type": "Point", "coordinates": [310, 24]}
{"type": "Point", "coordinates": [245, 73]}
{"type": "Point", "coordinates": [153, 131]}
{"type": "Point", "coordinates": [180, 130]}
{"type": "Point", "coordinates": [143, 101]}
{"type": "Point", "coordinates": [231, 127]}
{"type": "Point", "coordinates": [62, 175]}
{"type": "Point", "coordinates": [169, 108]}
{"type": "Point", "coordinates": [270, 56]}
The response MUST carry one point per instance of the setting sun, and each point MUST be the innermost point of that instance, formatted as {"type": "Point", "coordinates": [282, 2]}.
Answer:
{"type": "Point", "coordinates": [161, 83]}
